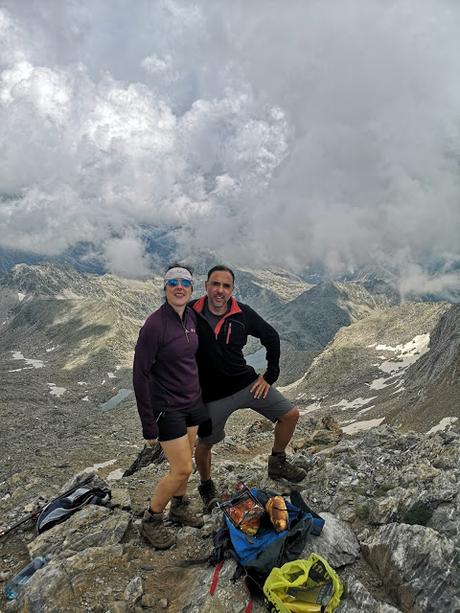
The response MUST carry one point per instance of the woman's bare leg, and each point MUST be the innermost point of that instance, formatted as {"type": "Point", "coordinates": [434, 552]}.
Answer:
{"type": "Point", "coordinates": [191, 434]}
{"type": "Point", "coordinates": [179, 455]}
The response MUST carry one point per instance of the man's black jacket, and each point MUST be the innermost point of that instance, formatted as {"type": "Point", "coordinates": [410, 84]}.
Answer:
{"type": "Point", "coordinates": [222, 368]}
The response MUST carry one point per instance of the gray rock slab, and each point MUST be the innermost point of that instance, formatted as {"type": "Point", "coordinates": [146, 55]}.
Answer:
{"type": "Point", "coordinates": [62, 584]}
{"type": "Point", "coordinates": [337, 543]}
{"type": "Point", "coordinates": [93, 526]}
{"type": "Point", "coordinates": [358, 599]}
{"type": "Point", "coordinates": [418, 567]}
{"type": "Point", "coordinates": [134, 590]}
{"type": "Point", "coordinates": [229, 597]}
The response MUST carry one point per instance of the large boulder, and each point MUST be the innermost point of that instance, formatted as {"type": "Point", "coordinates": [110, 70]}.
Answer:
{"type": "Point", "coordinates": [337, 542]}
{"type": "Point", "coordinates": [359, 599]}
{"type": "Point", "coordinates": [92, 526]}
{"type": "Point", "coordinates": [80, 582]}
{"type": "Point", "coordinates": [229, 595]}
{"type": "Point", "coordinates": [418, 567]}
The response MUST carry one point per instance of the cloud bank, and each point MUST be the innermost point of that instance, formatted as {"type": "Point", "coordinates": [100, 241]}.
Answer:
{"type": "Point", "coordinates": [318, 134]}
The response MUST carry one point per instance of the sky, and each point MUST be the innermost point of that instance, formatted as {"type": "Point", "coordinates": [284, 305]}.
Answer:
{"type": "Point", "coordinates": [294, 134]}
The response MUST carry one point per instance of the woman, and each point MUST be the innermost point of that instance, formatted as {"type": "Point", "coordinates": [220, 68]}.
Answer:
{"type": "Point", "coordinates": [168, 395]}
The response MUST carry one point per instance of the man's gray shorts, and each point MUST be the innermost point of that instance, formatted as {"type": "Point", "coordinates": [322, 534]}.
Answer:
{"type": "Point", "coordinates": [272, 407]}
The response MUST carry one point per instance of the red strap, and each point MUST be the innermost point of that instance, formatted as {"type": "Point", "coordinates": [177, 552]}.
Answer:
{"type": "Point", "coordinates": [215, 578]}
{"type": "Point", "coordinates": [248, 608]}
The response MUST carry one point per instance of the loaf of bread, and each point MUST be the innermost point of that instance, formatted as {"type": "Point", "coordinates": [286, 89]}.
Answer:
{"type": "Point", "coordinates": [277, 511]}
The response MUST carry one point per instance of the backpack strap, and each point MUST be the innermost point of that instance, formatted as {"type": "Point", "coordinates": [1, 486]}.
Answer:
{"type": "Point", "coordinates": [215, 577]}
{"type": "Point", "coordinates": [248, 608]}
{"type": "Point", "coordinates": [298, 501]}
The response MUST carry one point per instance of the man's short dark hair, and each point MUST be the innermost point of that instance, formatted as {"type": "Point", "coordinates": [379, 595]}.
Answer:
{"type": "Point", "coordinates": [221, 268]}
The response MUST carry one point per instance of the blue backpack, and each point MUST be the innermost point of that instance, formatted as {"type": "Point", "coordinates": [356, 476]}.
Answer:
{"type": "Point", "coordinates": [260, 553]}
{"type": "Point", "coordinates": [257, 555]}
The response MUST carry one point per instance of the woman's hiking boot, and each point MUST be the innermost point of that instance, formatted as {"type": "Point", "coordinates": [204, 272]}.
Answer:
{"type": "Point", "coordinates": [208, 493]}
{"type": "Point", "coordinates": [279, 467]}
{"type": "Point", "coordinates": [181, 512]}
{"type": "Point", "coordinates": [154, 530]}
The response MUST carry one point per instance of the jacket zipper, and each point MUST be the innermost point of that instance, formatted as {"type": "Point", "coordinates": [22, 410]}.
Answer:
{"type": "Point", "coordinates": [185, 331]}
{"type": "Point", "coordinates": [184, 327]}
{"type": "Point", "coordinates": [229, 332]}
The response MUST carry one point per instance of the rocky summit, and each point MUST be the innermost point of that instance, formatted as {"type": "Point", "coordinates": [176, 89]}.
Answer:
{"type": "Point", "coordinates": [379, 438]}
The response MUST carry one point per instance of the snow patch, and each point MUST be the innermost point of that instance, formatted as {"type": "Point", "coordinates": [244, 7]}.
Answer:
{"type": "Point", "coordinates": [366, 409]}
{"type": "Point", "coordinates": [405, 355]}
{"type": "Point", "coordinates": [21, 296]}
{"type": "Point", "coordinates": [56, 391]}
{"type": "Point", "coordinates": [382, 383]}
{"type": "Point", "coordinates": [310, 408]}
{"type": "Point", "coordinates": [17, 355]}
{"type": "Point", "coordinates": [358, 426]}
{"type": "Point", "coordinates": [352, 404]}
{"type": "Point", "coordinates": [111, 375]}
{"type": "Point", "coordinates": [85, 399]}
{"type": "Point", "coordinates": [443, 424]}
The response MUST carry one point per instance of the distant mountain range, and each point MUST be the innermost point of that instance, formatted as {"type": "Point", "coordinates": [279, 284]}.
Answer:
{"type": "Point", "coordinates": [345, 349]}
{"type": "Point", "coordinates": [86, 257]}
{"type": "Point", "coordinates": [370, 370]}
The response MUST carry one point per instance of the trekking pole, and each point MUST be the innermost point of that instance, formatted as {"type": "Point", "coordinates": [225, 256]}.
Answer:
{"type": "Point", "coordinates": [33, 515]}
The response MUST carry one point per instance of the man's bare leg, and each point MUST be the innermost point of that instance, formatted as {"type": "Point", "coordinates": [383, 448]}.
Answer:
{"type": "Point", "coordinates": [206, 488]}
{"type": "Point", "coordinates": [278, 465]}
{"type": "Point", "coordinates": [284, 430]}
{"type": "Point", "coordinates": [203, 460]}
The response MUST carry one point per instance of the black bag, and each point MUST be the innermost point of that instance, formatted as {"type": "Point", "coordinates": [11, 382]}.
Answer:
{"type": "Point", "coordinates": [60, 509]}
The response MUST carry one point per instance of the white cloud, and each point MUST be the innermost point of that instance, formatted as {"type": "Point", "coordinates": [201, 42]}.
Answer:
{"type": "Point", "coordinates": [126, 257]}
{"type": "Point", "coordinates": [319, 134]}
{"type": "Point", "coordinates": [414, 280]}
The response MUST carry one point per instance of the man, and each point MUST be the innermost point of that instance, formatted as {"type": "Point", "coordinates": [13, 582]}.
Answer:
{"type": "Point", "coordinates": [228, 383]}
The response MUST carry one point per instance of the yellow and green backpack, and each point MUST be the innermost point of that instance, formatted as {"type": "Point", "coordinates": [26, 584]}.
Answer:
{"type": "Point", "coordinates": [303, 586]}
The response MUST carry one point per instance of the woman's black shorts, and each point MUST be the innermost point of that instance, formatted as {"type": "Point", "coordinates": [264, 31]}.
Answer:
{"type": "Point", "coordinates": [174, 423]}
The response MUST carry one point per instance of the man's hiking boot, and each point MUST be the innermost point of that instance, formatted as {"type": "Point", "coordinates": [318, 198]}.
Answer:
{"type": "Point", "coordinates": [181, 513]}
{"type": "Point", "coordinates": [153, 529]}
{"type": "Point", "coordinates": [280, 468]}
{"type": "Point", "coordinates": [208, 495]}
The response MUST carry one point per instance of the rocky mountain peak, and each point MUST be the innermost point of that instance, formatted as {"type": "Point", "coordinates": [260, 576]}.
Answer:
{"type": "Point", "coordinates": [48, 280]}
{"type": "Point", "coordinates": [443, 359]}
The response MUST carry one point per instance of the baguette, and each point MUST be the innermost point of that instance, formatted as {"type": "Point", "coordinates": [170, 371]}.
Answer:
{"type": "Point", "coordinates": [277, 511]}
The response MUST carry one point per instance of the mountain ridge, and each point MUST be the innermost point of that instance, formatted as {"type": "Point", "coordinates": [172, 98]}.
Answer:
{"type": "Point", "coordinates": [68, 410]}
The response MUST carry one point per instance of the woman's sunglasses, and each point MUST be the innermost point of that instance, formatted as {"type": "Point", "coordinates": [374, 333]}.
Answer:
{"type": "Point", "coordinates": [175, 282]}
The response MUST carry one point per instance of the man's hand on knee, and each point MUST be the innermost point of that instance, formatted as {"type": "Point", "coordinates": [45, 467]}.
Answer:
{"type": "Point", "coordinates": [260, 388]}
